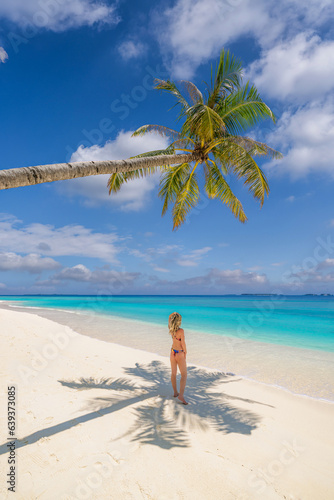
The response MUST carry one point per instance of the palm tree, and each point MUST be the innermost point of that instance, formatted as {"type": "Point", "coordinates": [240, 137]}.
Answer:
{"type": "Point", "coordinates": [209, 136]}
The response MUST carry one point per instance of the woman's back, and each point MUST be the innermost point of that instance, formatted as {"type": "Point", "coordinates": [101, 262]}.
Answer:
{"type": "Point", "coordinates": [177, 338]}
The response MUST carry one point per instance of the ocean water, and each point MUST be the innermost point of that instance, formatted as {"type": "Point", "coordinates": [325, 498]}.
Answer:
{"type": "Point", "coordinates": [297, 321]}
{"type": "Point", "coordinates": [285, 341]}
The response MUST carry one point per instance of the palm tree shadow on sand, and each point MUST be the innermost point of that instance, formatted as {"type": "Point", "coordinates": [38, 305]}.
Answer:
{"type": "Point", "coordinates": [161, 420]}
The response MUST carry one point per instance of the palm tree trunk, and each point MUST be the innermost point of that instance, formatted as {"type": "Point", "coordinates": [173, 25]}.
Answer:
{"type": "Point", "coordinates": [27, 176]}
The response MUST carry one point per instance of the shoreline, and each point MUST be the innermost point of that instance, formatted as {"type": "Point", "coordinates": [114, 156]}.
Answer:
{"type": "Point", "coordinates": [230, 334]}
{"type": "Point", "coordinates": [303, 372]}
{"type": "Point", "coordinates": [103, 410]}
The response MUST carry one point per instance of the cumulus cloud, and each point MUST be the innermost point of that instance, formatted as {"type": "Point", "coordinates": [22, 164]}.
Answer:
{"type": "Point", "coordinates": [306, 136]}
{"type": "Point", "coordinates": [297, 69]}
{"type": "Point", "coordinates": [192, 259]}
{"type": "Point", "coordinates": [101, 276]}
{"type": "Point", "coordinates": [161, 269]}
{"type": "Point", "coordinates": [49, 240]}
{"type": "Point", "coordinates": [311, 273]}
{"type": "Point", "coordinates": [57, 15]}
{"type": "Point", "coordinates": [217, 280]}
{"type": "Point", "coordinates": [134, 195]}
{"type": "Point", "coordinates": [192, 31]}
{"type": "Point", "coordinates": [3, 55]}
{"type": "Point", "coordinates": [130, 49]}
{"type": "Point", "coordinates": [32, 263]}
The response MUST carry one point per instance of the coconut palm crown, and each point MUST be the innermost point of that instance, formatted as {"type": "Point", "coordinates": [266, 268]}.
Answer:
{"type": "Point", "coordinates": [211, 130]}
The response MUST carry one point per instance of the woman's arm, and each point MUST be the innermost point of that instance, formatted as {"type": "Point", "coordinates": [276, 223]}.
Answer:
{"type": "Point", "coordinates": [183, 342]}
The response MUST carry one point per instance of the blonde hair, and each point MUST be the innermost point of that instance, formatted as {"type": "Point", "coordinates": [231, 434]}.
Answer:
{"type": "Point", "coordinates": [174, 322]}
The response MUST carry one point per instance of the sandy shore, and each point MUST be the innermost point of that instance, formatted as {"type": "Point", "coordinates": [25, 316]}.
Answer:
{"type": "Point", "coordinates": [97, 420]}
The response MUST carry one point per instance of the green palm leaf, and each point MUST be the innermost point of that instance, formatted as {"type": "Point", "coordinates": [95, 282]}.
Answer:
{"type": "Point", "coordinates": [217, 187]}
{"type": "Point", "coordinates": [202, 122]}
{"type": "Point", "coordinates": [227, 77]}
{"type": "Point", "coordinates": [170, 150]}
{"type": "Point", "coordinates": [160, 129]}
{"type": "Point", "coordinates": [241, 163]}
{"type": "Point", "coordinates": [171, 88]}
{"type": "Point", "coordinates": [186, 199]}
{"type": "Point", "coordinates": [171, 183]}
{"type": "Point", "coordinates": [242, 110]}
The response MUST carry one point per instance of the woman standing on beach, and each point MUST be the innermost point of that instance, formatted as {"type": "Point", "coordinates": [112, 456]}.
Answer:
{"type": "Point", "coordinates": [178, 354]}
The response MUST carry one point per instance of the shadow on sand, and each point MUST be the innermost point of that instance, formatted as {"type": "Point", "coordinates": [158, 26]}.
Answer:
{"type": "Point", "coordinates": [160, 420]}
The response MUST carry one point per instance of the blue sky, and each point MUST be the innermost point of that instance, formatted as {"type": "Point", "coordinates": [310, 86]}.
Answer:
{"type": "Point", "coordinates": [76, 79]}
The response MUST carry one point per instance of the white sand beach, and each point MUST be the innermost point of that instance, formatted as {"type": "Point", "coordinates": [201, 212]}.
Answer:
{"type": "Point", "coordinates": [97, 420]}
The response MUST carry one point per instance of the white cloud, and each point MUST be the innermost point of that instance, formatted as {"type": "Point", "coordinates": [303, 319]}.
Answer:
{"type": "Point", "coordinates": [255, 268]}
{"type": "Point", "coordinates": [3, 55]}
{"type": "Point", "coordinates": [192, 259]}
{"type": "Point", "coordinates": [290, 199]}
{"type": "Point", "coordinates": [48, 240]}
{"type": "Point", "coordinates": [236, 277]}
{"type": "Point", "coordinates": [232, 281]}
{"type": "Point", "coordinates": [101, 276]}
{"type": "Point", "coordinates": [33, 263]}
{"type": "Point", "coordinates": [161, 270]}
{"type": "Point", "coordinates": [140, 255]}
{"type": "Point", "coordinates": [192, 31]}
{"type": "Point", "coordinates": [133, 195]}
{"type": "Point", "coordinates": [2, 285]}
{"type": "Point", "coordinates": [311, 274]}
{"type": "Point", "coordinates": [57, 15]}
{"type": "Point", "coordinates": [130, 49]}
{"type": "Point", "coordinates": [298, 69]}
{"type": "Point", "coordinates": [306, 136]}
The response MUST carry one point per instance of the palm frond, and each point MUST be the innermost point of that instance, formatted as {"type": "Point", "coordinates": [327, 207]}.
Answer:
{"type": "Point", "coordinates": [186, 199]}
{"type": "Point", "coordinates": [171, 88]}
{"type": "Point", "coordinates": [216, 186]}
{"type": "Point", "coordinates": [227, 77]}
{"type": "Point", "coordinates": [171, 183]}
{"type": "Point", "coordinates": [194, 93]}
{"type": "Point", "coordinates": [116, 180]}
{"type": "Point", "coordinates": [202, 122]}
{"type": "Point", "coordinates": [241, 163]}
{"type": "Point", "coordinates": [255, 148]}
{"type": "Point", "coordinates": [159, 129]}
{"type": "Point", "coordinates": [243, 109]}
{"type": "Point", "coordinates": [170, 150]}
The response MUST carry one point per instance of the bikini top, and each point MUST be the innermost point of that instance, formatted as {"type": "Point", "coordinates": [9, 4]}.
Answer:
{"type": "Point", "coordinates": [176, 338]}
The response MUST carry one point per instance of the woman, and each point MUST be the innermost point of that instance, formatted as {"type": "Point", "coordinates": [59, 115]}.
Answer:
{"type": "Point", "coordinates": [178, 354]}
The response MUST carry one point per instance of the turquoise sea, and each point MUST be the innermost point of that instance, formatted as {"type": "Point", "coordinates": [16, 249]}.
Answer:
{"type": "Point", "coordinates": [297, 321]}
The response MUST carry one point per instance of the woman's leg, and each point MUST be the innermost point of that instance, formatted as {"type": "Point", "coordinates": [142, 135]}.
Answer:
{"type": "Point", "coordinates": [181, 361]}
{"type": "Point", "coordinates": [173, 365]}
